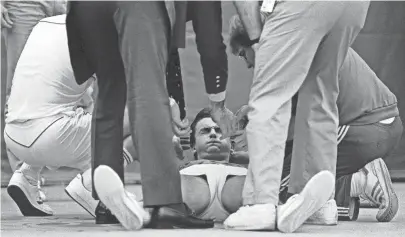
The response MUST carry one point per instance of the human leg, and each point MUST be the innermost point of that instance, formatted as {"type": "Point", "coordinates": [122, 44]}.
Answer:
{"type": "Point", "coordinates": [195, 192]}
{"type": "Point", "coordinates": [148, 102]}
{"type": "Point", "coordinates": [360, 172]}
{"type": "Point", "coordinates": [144, 30]}
{"type": "Point", "coordinates": [316, 124]}
{"type": "Point", "coordinates": [231, 195]}
{"type": "Point", "coordinates": [283, 58]}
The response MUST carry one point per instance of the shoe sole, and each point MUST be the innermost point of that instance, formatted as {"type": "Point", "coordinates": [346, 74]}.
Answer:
{"type": "Point", "coordinates": [23, 203]}
{"type": "Point", "coordinates": [256, 227]}
{"type": "Point", "coordinates": [75, 197]}
{"type": "Point", "coordinates": [382, 173]}
{"type": "Point", "coordinates": [111, 192]}
{"type": "Point", "coordinates": [314, 195]}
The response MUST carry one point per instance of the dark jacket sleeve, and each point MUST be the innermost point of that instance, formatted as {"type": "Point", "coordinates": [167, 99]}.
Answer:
{"type": "Point", "coordinates": [81, 67]}
{"type": "Point", "coordinates": [206, 17]}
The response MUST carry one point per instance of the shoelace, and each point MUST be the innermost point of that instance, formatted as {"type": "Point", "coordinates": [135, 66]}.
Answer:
{"type": "Point", "coordinates": [41, 198]}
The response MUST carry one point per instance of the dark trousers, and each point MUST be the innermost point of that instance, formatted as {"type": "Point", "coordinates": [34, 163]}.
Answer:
{"type": "Point", "coordinates": [361, 145]}
{"type": "Point", "coordinates": [94, 24]}
{"type": "Point", "coordinates": [144, 33]}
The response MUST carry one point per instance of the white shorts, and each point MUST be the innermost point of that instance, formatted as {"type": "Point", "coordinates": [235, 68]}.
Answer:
{"type": "Point", "coordinates": [216, 177]}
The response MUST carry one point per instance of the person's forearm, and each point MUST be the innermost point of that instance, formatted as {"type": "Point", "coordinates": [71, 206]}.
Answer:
{"type": "Point", "coordinates": [249, 13]}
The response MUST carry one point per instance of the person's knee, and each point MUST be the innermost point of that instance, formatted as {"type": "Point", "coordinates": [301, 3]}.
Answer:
{"type": "Point", "coordinates": [231, 195]}
{"type": "Point", "coordinates": [196, 193]}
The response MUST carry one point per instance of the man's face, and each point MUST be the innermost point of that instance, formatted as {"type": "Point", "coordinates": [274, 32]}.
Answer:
{"type": "Point", "coordinates": [247, 54]}
{"type": "Point", "coordinates": [207, 143]}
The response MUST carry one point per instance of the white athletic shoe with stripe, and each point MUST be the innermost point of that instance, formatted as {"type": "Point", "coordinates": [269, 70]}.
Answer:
{"type": "Point", "coordinates": [379, 190]}
{"type": "Point", "coordinates": [76, 191]}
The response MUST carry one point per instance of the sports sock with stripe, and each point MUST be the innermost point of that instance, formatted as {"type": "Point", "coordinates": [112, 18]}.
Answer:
{"type": "Point", "coordinates": [358, 184]}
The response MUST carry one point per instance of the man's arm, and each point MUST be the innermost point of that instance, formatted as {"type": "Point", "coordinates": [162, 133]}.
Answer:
{"type": "Point", "coordinates": [249, 13]}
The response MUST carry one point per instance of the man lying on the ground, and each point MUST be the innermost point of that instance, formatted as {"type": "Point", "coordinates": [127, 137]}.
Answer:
{"type": "Point", "coordinates": [212, 183]}
{"type": "Point", "coordinates": [370, 128]}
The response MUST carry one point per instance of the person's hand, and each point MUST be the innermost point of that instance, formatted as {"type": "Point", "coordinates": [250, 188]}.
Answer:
{"type": "Point", "coordinates": [239, 139]}
{"type": "Point", "coordinates": [255, 47]}
{"type": "Point", "coordinates": [180, 128]}
{"type": "Point", "coordinates": [178, 147]}
{"type": "Point", "coordinates": [223, 117]}
{"type": "Point", "coordinates": [5, 18]}
{"type": "Point", "coordinates": [241, 118]}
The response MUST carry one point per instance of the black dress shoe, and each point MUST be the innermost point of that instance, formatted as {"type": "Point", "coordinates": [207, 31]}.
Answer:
{"type": "Point", "coordinates": [169, 218]}
{"type": "Point", "coordinates": [104, 215]}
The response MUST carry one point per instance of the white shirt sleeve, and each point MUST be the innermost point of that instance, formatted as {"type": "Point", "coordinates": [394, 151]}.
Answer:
{"type": "Point", "coordinates": [268, 6]}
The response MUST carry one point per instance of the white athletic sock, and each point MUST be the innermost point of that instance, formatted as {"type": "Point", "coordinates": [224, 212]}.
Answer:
{"type": "Point", "coordinates": [358, 184]}
{"type": "Point", "coordinates": [128, 159]}
{"type": "Point", "coordinates": [31, 173]}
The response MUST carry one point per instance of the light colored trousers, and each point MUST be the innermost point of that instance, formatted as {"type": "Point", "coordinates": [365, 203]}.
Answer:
{"type": "Point", "coordinates": [24, 15]}
{"type": "Point", "coordinates": [302, 45]}
{"type": "Point", "coordinates": [67, 143]}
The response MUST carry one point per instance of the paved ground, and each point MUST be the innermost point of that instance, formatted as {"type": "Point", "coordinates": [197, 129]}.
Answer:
{"type": "Point", "coordinates": [70, 220]}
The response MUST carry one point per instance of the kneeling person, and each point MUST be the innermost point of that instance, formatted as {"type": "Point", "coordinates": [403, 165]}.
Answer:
{"type": "Point", "coordinates": [49, 119]}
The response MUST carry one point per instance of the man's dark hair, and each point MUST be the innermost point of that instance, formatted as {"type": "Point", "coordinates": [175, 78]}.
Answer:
{"type": "Point", "coordinates": [204, 113]}
{"type": "Point", "coordinates": [238, 36]}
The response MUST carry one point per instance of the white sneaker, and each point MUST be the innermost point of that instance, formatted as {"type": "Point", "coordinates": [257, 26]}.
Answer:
{"type": "Point", "coordinates": [379, 190]}
{"type": "Point", "coordinates": [300, 207]}
{"type": "Point", "coordinates": [111, 192]}
{"type": "Point", "coordinates": [327, 215]}
{"type": "Point", "coordinates": [254, 217]}
{"type": "Point", "coordinates": [24, 195]}
{"type": "Point", "coordinates": [76, 191]}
